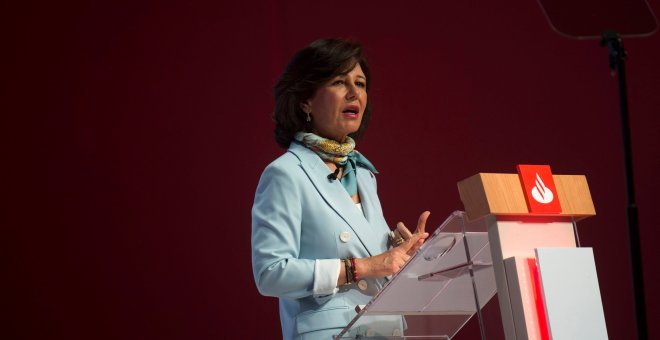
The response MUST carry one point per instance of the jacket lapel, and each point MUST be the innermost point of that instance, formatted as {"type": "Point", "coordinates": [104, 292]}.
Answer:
{"type": "Point", "coordinates": [336, 197]}
{"type": "Point", "coordinates": [367, 195]}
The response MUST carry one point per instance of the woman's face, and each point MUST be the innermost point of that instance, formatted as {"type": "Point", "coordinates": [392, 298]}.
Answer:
{"type": "Point", "coordinates": [337, 107]}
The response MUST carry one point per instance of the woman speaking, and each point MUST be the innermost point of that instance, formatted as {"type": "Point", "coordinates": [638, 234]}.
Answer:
{"type": "Point", "coordinates": [320, 242]}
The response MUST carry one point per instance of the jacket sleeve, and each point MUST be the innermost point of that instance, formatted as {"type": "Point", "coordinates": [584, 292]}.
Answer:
{"type": "Point", "coordinates": [276, 231]}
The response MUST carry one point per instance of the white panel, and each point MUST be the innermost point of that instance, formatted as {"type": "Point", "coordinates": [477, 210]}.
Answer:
{"type": "Point", "coordinates": [521, 238]}
{"type": "Point", "coordinates": [571, 293]}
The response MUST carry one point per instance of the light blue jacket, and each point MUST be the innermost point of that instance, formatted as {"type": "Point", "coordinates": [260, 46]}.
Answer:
{"type": "Point", "coordinates": [299, 218]}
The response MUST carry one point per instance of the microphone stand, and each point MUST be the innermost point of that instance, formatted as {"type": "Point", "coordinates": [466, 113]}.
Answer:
{"type": "Point", "coordinates": [617, 58]}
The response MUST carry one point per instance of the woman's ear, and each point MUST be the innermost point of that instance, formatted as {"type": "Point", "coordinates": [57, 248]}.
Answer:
{"type": "Point", "coordinates": [306, 106]}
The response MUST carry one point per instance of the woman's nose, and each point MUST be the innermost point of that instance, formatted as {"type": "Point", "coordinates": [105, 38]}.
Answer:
{"type": "Point", "coordinates": [352, 92]}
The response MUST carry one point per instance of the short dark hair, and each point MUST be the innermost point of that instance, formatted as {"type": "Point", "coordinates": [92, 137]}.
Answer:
{"type": "Point", "coordinates": [307, 71]}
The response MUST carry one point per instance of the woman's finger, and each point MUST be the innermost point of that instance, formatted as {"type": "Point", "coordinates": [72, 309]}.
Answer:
{"type": "Point", "coordinates": [415, 247]}
{"type": "Point", "coordinates": [403, 231]}
{"type": "Point", "coordinates": [421, 222]}
{"type": "Point", "coordinates": [406, 246]}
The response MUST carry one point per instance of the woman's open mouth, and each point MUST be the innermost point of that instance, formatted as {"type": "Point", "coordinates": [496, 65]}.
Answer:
{"type": "Point", "coordinates": [351, 111]}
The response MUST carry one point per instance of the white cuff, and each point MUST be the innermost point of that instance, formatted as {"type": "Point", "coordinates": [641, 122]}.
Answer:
{"type": "Point", "coordinates": [326, 274]}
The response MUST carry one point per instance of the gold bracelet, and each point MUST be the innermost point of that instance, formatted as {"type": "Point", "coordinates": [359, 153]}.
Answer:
{"type": "Point", "coordinates": [347, 271]}
{"type": "Point", "coordinates": [348, 267]}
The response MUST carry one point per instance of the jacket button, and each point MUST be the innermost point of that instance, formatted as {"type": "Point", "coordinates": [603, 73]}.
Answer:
{"type": "Point", "coordinates": [396, 332]}
{"type": "Point", "coordinates": [362, 284]}
{"type": "Point", "coordinates": [345, 236]}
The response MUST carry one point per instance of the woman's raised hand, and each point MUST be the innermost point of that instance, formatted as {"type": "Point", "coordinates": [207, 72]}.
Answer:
{"type": "Point", "coordinates": [421, 229]}
{"type": "Point", "coordinates": [391, 261]}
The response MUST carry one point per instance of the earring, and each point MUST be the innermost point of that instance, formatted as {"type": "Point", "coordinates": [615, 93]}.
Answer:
{"type": "Point", "coordinates": [309, 118]}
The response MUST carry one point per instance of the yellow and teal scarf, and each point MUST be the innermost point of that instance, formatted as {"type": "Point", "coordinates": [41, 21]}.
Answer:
{"type": "Point", "coordinates": [342, 154]}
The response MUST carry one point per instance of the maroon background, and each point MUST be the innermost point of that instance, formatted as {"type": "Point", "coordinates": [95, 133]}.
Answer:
{"type": "Point", "coordinates": [135, 135]}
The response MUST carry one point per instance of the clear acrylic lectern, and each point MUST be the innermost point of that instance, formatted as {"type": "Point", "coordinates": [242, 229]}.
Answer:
{"type": "Point", "coordinates": [447, 281]}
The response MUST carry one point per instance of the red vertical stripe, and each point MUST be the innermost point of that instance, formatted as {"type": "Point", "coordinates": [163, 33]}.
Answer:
{"type": "Point", "coordinates": [538, 299]}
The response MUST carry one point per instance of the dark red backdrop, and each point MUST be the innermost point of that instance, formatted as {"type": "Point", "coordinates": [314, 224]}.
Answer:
{"type": "Point", "coordinates": [136, 134]}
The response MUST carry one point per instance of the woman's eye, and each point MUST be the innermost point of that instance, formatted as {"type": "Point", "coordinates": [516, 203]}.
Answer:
{"type": "Point", "coordinates": [361, 84]}
{"type": "Point", "coordinates": [338, 82]}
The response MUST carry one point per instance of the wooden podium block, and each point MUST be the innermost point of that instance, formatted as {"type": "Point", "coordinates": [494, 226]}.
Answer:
{"type": "Point", "coordinates": [502, 195]}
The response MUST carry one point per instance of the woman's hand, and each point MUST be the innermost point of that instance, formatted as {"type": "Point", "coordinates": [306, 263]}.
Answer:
{"type": "Point", "coordinates": [391, 261]}
{"type": "Point", "coordinates": [403, 232]}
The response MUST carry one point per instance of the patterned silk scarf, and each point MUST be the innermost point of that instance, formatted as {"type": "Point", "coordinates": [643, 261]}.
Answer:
{"type": "Point", "coordinates": [342, 154]}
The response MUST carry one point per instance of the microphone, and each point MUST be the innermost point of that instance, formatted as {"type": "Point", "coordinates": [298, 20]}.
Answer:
{"type": "Point", "coordinates": [333, 176]}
